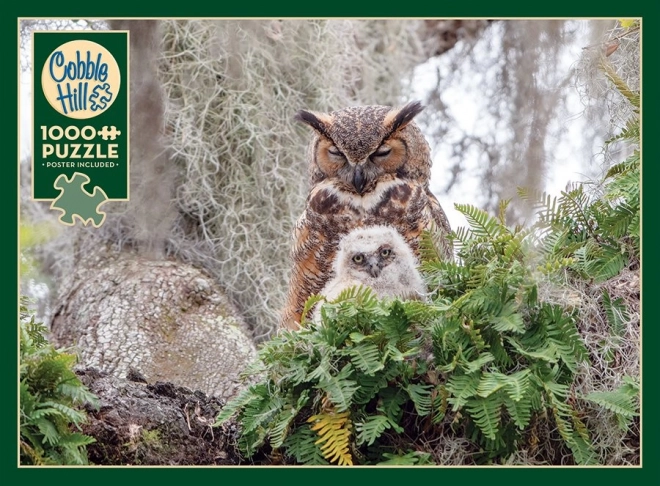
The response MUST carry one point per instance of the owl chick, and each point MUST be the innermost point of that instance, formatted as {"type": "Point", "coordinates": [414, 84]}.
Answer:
{"type": "Point", "coordinates": [368, 165]}
{"type": "Point", "coordinates": [376, 257]}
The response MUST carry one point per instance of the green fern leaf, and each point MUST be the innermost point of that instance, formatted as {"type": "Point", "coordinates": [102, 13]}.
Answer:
{"type": "Point", "coordinates": [477, 364]}
{"type": "Point", "coordinates": [71, 414]}
{"type": "Point", "coordinates": [78, 394]}
{"type": "Point", "coordinates": [481, 222]}
{"type": "Point", "coordinates": [548, 352]}
{"type": "Point", "coordinates": [512, 322]}
{"type": "Point", "coordinates": [371, 429]}
{"type": "Point", "coordinates": [366, 358]}
{"type": "Point", "coordinates": [340, 389]}
{"type": "Point", "coordinates": [582, 450]}
{"type": "Point", "coordinates": [517, 385]}
{"type": "Point", "coordinates": [520, 411]}
{"type": "Point", "coordinates": [491, 383]}
{"type": "Point", "coordinates": [76, 439]}
{"type": "Point", "coordinates": [486, 413]}
{"type": "Point", "coordinates": [48, 429]}
{"type": "Point", "coordinates": [610, 265]}
{"type": "Point", "coordinates": [280, 426]}
{"type": "Point", "coordinates": [368, 386]}
{"type": "Point", "coordinates": [617, 401]}
{"type": "Point", "coordinates": [616, 312]}
{"type": "Point", "coordinates": [461, 388]}
{"type": "Point", "coordinates": [421, 398]}
{"type": "Point", "coordinates": [310, 303]}
{"type": "Point", "coordinates": [412, 458]}
{"type": "Point", "coordinates": [302, 446]}
{"type": "Point", "coordinates": [248, 394]}
{"type": "Point", "coordinates": [391, 400]}
{"type": "Point", "coordinates": [44, 412]}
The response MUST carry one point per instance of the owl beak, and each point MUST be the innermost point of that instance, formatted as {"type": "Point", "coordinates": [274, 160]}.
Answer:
{"type": "Point", "coordinates": [359, 180]}
{"type": "Point", "coordinates": [374, 270]}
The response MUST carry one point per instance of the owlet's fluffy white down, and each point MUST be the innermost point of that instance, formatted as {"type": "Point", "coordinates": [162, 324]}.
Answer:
{"type": "Point", "coordinates": [376, 257]}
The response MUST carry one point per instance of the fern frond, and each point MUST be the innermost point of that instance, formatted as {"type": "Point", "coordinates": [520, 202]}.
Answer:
{"type": "Point", "coordinates": [481, 222]}
{"type": "Point", "coordinates": [546, 206]}
{"type": "Point", "coordinates": [259, 413]}
{"type": "Point", "coordinates": [310, 303]}
{"type": "Point", "coordinates": [575, 204]}
{"type": "Point", "coordinates": [501, 210]}
{"type": "Point", "coordinates": [428, 249]}
{"type": "Point", "coordinates": [631, 132]}
{"type": "Point", "coordinates": [302, 446]}
{"type": "Point", "coordinates": [340, 389]}
{"type": "Point", "coordinates": [486, 414]}
{"type": "Point", "coordinates": [616, 312]}
{"type": "Point", "coordinates": [609, 264]}
{"type": "Point", "coordinates": [477, 364]}
{"type": "Point", "coordinates": [334, 430]}
{"type": "Point", "coordinates": [508, 321]}
{"type": "Point", "coordinates": [237, 403]}
{"type": "Point", "coordinates": [520, 411]}
{"type": "Point", "coordinates": [280, 426]}
{"type": "Point", "coordinates": [68, 413]}
{"type": "Point", "coordinates": [621, 86]}
{"type": "Point", "coordinates": [617, 401]}
{"type": "Point", "coordinates": [76, 439]}
{"type": "Point", "coordinates": [78, 394]}
{"type": "Point", "coordinates": [368, 386]}
{"type": "Point", "coordinates": [371, 429]}
{"type": "Point", "coordinates": [48, 429]}
{"type": "Point", "coordinates": [421, 398]}
{"type": "Point", "coordinates": [366, 358]}
{"type": "Point", "coordinates": [411, 458]}
{"type": "Point", "coordinates": [461, 388]}
{"type": "Point", "coordinates": [391, 401]}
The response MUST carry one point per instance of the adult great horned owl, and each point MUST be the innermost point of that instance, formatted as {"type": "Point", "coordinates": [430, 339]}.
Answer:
{"type": "Point", "coordinates": [368, 165]}
{"type": "Point", "coordinates": [376, 257]}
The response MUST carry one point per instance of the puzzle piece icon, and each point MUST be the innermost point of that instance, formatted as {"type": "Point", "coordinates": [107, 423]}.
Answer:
{"type": "Point", "coordinates": [74, 200]}
{"type": "Point", "coordinates": [97, 101]}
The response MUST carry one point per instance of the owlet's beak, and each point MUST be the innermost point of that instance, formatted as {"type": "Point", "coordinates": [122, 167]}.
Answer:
{"type": "Point", "coordinates": [374, 269]}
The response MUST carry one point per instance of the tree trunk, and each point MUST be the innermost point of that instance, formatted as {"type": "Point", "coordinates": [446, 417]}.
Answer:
{"type": "Point", "coordinates": [166, 320]}
{"type": "Point", "coordinates": [155, 424]}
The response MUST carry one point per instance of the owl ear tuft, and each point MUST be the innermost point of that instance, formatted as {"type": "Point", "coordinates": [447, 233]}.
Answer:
{"type": "Point", "coordinates": [402, 117]}
{"type": "Point", "coordinates": [318, 121]}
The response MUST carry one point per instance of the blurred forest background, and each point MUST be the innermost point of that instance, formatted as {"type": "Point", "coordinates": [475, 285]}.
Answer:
{"type": "Point", "coordinates": [218, 163]}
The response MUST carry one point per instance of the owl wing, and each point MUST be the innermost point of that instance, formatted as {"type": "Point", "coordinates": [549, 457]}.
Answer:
{"type": "Point", "coordinates": [311, 259]}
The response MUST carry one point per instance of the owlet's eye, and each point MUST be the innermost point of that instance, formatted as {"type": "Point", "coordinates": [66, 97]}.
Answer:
{"type": "Point", "coordinates": [359, 258]}
{"type": "Point", "coordinates": [385, 252]}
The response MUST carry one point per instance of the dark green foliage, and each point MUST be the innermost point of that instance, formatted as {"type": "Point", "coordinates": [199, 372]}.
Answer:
{"type": "Point", "coordinates": [363, 358]}
{"type": "Point", "coordinates": [506, 355]}
{"type": "Point", "coordinates": [50, 400]}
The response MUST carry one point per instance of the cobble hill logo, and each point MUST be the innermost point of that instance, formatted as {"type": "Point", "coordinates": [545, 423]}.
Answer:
{"type": "Point", "coordinates": [80, 133]}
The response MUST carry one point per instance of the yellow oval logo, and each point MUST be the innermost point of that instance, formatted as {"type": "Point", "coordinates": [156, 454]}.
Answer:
{"type": "Point", "coordinates": [80, 79]}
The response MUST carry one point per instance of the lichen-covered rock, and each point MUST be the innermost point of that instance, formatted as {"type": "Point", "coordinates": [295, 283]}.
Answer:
{"type": "Point", "coordinates": [164, 320]}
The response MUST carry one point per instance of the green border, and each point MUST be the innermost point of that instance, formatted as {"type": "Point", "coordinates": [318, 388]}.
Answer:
{"type": "Point", "coordinates": [476, 8]}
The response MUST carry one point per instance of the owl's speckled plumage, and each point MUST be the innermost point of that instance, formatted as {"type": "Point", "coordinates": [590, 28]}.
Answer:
{"type": "Point", "coordinates": [377, 257]}
{"type": "Point", "coordinates": [368, 165]}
